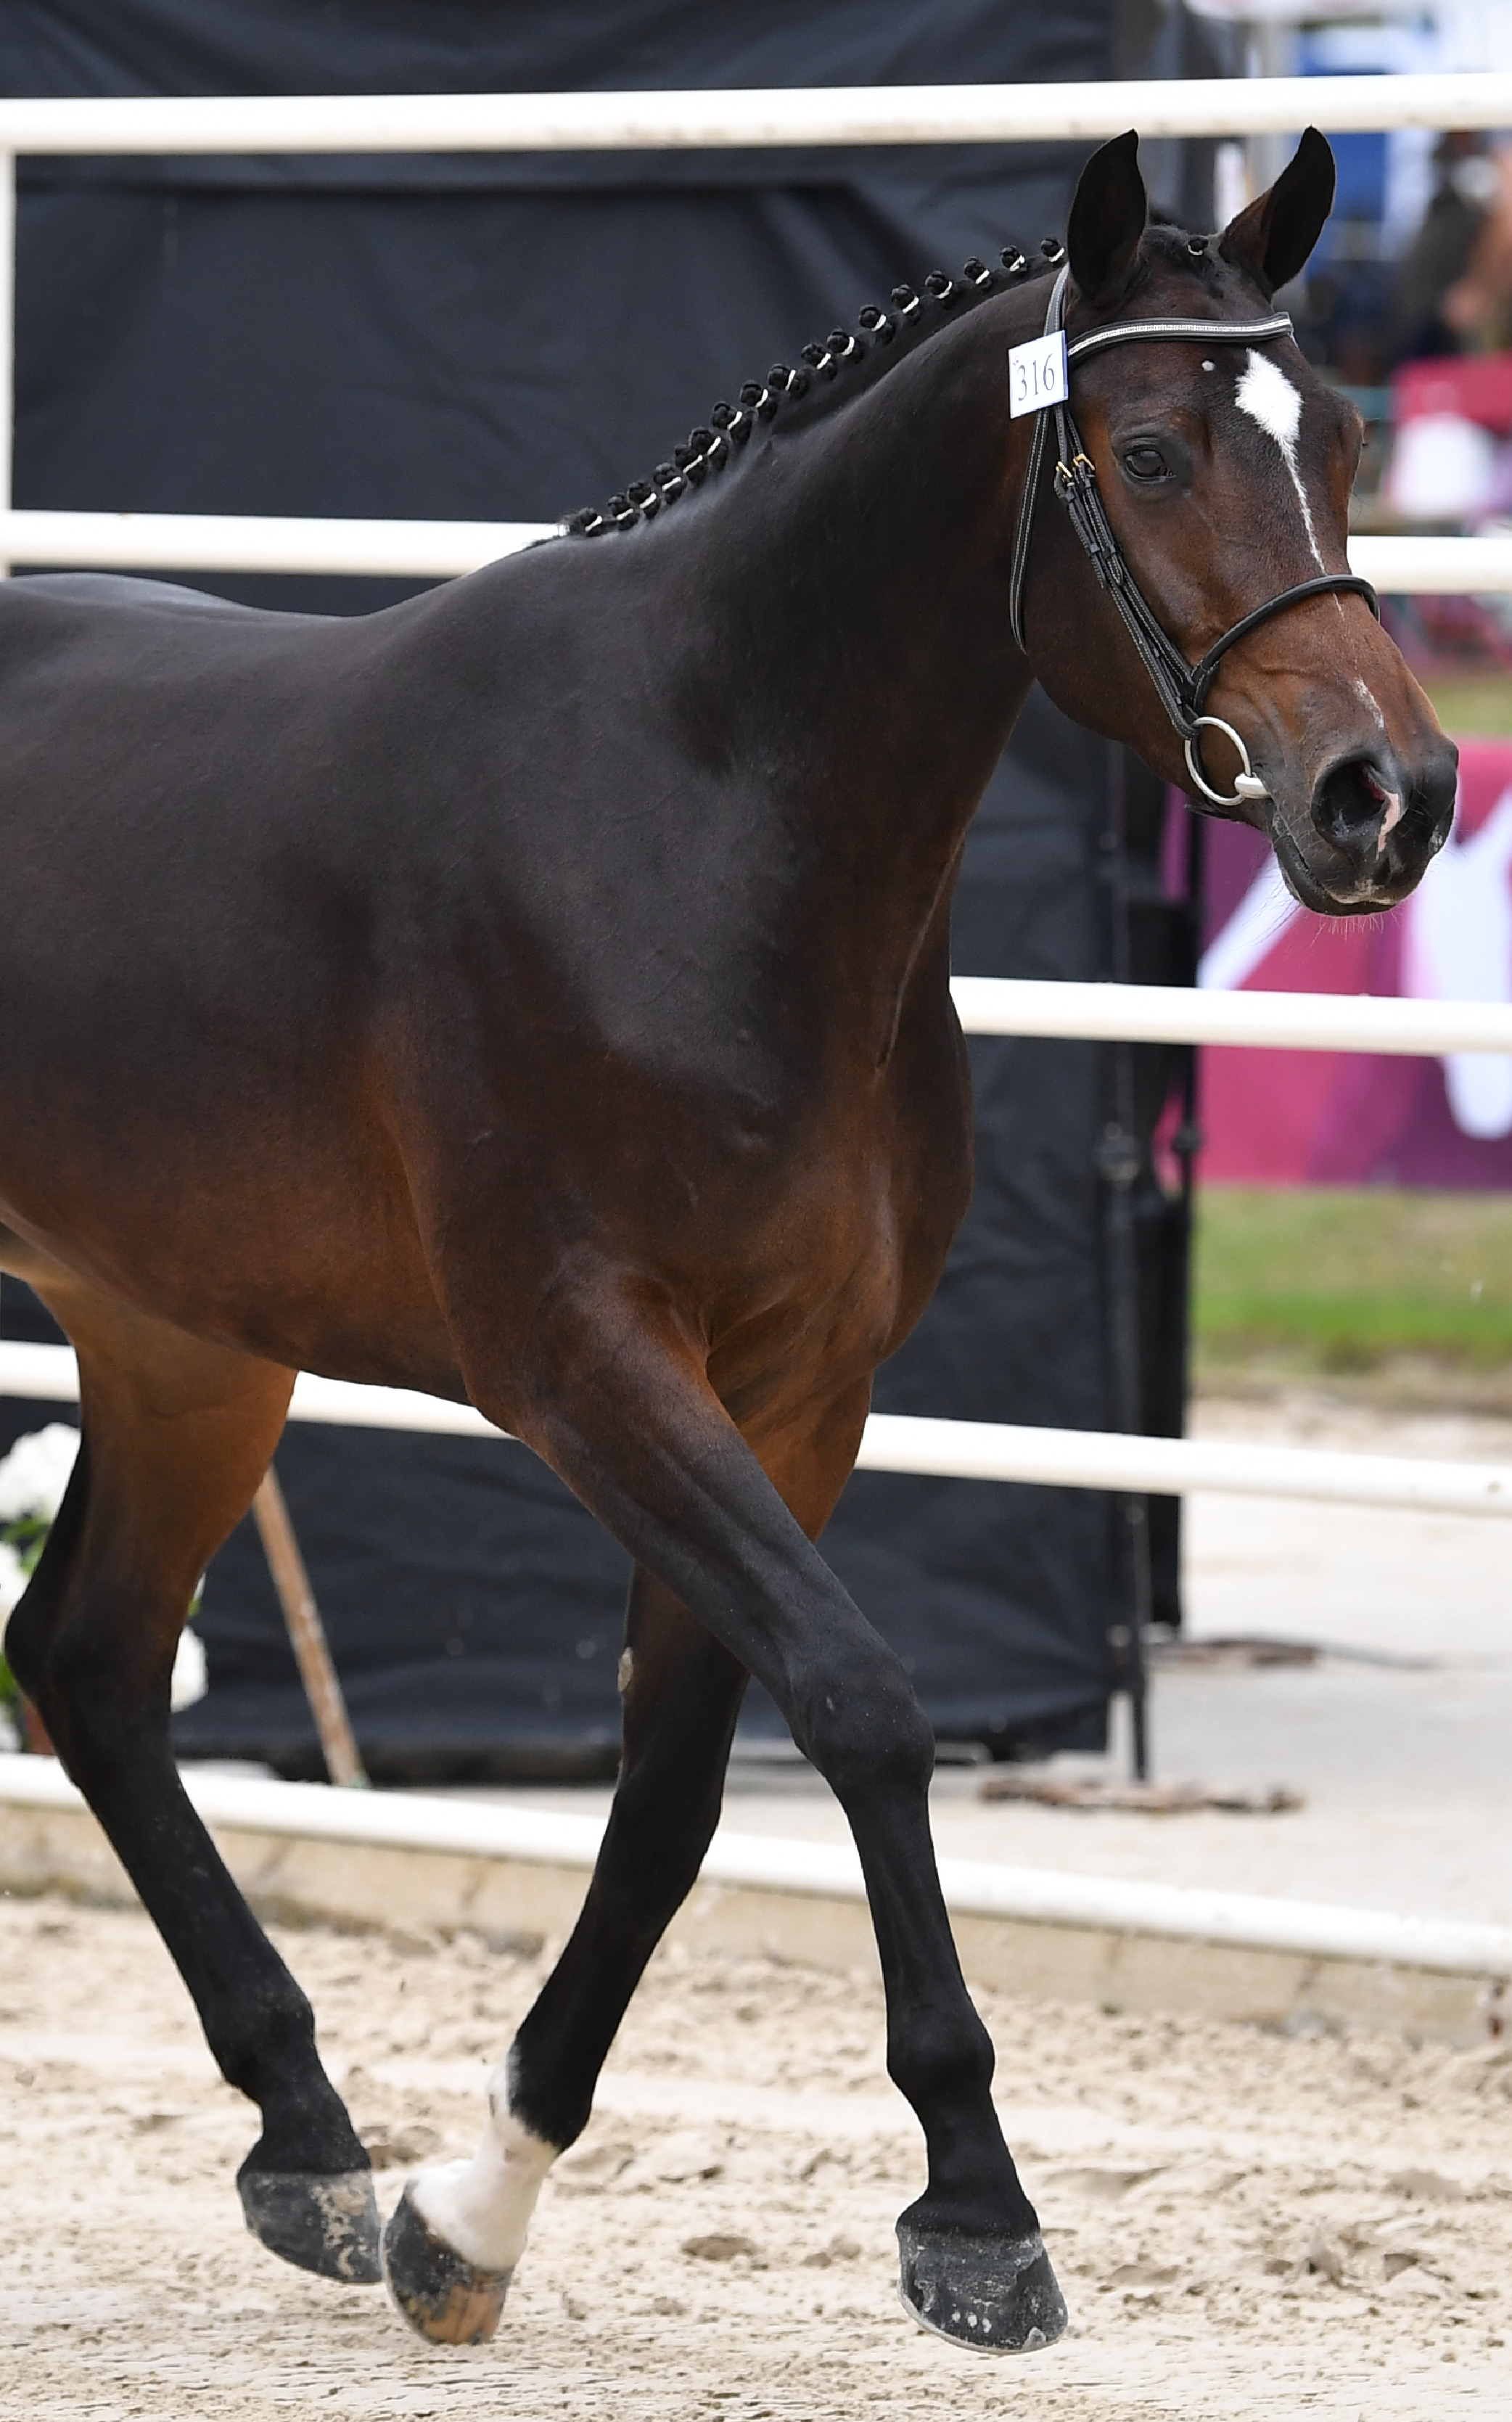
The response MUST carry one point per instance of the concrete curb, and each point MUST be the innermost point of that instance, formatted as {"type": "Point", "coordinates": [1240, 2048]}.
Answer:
{"type": "Point", "coordinates": [304, 1852]}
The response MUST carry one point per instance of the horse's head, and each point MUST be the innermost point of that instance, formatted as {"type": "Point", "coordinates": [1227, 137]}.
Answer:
{"type": "Point", "coordinates": [1224, 469]}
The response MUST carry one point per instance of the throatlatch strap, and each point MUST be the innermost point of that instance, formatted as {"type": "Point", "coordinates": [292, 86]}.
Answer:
{"type": "Point", "coordinates": [1026, 526]}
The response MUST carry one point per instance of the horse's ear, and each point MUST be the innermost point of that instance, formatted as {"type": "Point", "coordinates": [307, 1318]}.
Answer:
{"type": "Point", "coordinates": [1107, 218]}
{"type": "Point", "coordinates": [1274, 236]}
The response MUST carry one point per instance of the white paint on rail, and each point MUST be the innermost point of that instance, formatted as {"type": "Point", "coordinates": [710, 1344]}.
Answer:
{"type": "Point", "coordinates": [907, 1442]}
{"type": "Point", "coordinates": [830, 1871]}
{"type": "Point", "coordinates": [752, 119]}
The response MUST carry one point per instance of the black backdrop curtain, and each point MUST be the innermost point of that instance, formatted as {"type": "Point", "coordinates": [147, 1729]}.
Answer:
{"type": "Point", "coordinates": [508, 339]}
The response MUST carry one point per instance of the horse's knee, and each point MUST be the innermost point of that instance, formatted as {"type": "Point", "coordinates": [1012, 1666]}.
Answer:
{"type": "Point", "coordinates": [942, 2063]}
{"type": "Point", "coordinates": [25, 1645]}
{"type": "Point", "coordinates": [31, 1633]}
{"type": "Point", "coordinates": [864, 1729]}
{"type": "Point", "coordinates": [86, 1662]}
{"type": "Point", "coordinates": [94, 1674]}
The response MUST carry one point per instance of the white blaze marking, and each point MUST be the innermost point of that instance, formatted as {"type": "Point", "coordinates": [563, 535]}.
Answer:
{"type": "Point", "coordinates": [481, 2209]}
{"type": "Point", "coordinates": [1395, 804]}
{"type": "Point", "coordinates": [1268, 395]}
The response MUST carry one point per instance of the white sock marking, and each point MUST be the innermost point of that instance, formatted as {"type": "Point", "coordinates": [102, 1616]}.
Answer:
{"type": "Point", "coordinates": [482, 2208]}
{"type": "Point", "coordinates": [1268, 395]}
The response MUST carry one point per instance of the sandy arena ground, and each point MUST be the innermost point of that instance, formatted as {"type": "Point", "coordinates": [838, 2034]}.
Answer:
{"type": "Point", "coordinates": [1246, 2226]}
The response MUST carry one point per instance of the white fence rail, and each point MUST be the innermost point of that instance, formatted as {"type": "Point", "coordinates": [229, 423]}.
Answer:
{"type": "Point", "coordinates": [443, 550]}
{"type": "Point", "coordinates": [946, 1450]}
{"type": "Point", "coordinates": [248, 542]}
{"type": "Point", "coordinates": [1434, 567]}
{"type": "Point", "coordinates": [1282, 1021]}
{"type": "Point", "coordinates": [781, 117]}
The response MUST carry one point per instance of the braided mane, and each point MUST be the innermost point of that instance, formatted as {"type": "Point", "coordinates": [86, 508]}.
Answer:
{"type": "Point", "coordinates": [883, 338]}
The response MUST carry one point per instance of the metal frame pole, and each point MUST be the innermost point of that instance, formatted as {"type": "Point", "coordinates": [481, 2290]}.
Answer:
{"type": "Point", "coordinates": [1118, 1166]}
{"type": "Point", "coordinates": [8, 331]}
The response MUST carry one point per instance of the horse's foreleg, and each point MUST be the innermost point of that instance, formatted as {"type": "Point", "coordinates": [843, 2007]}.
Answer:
{"type": "Point", "coordinates": [453, 2245]}
{"type": "Point", "coordinates": [176, 1438]}
{"type": "Point", "coordinates": [638, 1431]}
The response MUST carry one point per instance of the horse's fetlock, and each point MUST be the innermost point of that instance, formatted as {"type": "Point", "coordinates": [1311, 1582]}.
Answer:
{"type": "Point", "coordinates": [265, 2042]}
{"type": "Point", "coordinates": [539, 2096]}
{"type": "Point", "coordinates": [938, 2063]}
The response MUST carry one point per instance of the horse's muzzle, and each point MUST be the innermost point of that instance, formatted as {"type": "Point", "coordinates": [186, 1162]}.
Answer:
{"type": "Point", "coordinates": [1376, 822]}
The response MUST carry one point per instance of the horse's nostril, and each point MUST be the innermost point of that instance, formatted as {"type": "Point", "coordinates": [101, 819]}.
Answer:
{"type": "Point", "coordinates": [1352, 801]}
{"type": "Point", "coordinates": [1386, 816]}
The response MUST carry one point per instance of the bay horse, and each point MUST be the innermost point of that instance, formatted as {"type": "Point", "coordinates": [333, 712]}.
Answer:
{"type": "Point", "coordinates": [537, 993]}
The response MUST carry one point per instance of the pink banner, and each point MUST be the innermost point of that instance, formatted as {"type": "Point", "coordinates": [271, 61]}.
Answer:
{"type": "Point", "coordinates": [1288, 1118]}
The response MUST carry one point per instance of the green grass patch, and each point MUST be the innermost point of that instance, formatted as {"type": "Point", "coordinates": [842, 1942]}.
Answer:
{"type": "Point", "coordinates": [1472, 706]}
{"type": "Point", "coordinates": [1345, 1280]}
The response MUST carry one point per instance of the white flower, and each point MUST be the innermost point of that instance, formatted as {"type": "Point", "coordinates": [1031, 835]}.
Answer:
{"type": "Point", "coordinates": [35, 1472]}
{"type": "Point", "coordinates": [33, 1477]}
{"type": "Point", "coordinates": [190, 1678]}
{"type": "Point", "coordinates": [13, 1579]}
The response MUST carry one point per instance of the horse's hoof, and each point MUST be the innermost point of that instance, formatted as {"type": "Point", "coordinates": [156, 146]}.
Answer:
{"type": "Point", "coordinates": [321, 2220]}
{"type": "Point", "coordinates": [997, 2292]}
{"type": "Point", "coordinates": [448, 2299]}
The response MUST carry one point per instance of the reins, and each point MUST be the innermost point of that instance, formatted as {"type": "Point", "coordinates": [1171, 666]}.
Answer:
{"type": "Point", "coordinates": [1182, 688]}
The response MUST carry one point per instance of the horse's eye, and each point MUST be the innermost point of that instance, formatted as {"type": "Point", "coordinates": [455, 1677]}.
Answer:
{"type": "Point", "coordinates": [1145, 463]}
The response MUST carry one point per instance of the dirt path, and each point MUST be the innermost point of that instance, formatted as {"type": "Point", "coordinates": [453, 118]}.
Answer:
{"type": "Point", "coordinates": [1245, 2227]}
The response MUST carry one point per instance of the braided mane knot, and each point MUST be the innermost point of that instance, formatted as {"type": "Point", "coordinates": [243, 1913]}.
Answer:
{"type": "Point", "coordinates": [731, 425]}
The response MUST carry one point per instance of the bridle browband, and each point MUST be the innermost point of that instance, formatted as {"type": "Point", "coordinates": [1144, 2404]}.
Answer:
{"type": "Point", "coordinates": [1182, 688]}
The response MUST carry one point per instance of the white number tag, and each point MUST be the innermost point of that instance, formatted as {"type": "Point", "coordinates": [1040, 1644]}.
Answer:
{"type": "Point", "coordinates": [1038, 375]}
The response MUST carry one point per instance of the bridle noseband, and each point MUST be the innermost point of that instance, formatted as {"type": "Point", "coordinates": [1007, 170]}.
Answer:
{"type": "Point", "coordinates": [1182, 688]}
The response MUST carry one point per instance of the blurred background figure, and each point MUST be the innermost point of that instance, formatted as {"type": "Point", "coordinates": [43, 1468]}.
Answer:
{"type": "Point", "coordinates": [1477, 309]}
{"type": "Point", "coordinates": [1454, 290]}
{"type": "Point", "coordinates": [1407, 303]}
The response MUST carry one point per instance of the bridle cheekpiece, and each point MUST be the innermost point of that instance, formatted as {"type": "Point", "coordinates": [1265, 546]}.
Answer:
{"type": "Point", "coordinates": [1182, 688]}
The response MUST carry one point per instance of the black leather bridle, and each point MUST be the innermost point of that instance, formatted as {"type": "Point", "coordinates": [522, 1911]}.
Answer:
{"type": "Point", "coordinates": [1182, 688]}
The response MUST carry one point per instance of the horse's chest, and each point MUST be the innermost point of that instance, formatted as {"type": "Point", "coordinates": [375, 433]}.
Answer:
{"type": "Point", "coordinates": [830, 1264]}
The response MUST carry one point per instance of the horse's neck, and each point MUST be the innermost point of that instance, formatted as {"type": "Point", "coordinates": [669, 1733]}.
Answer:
{"type": "Point", "coordinates": [851, 588]}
